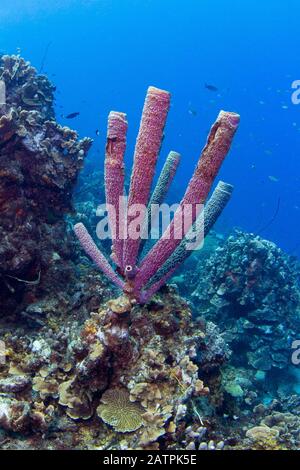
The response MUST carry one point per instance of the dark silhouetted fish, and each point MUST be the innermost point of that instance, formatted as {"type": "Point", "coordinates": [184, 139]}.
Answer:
{"type": "Point", "coordinates": [72, 115]}
{"type": "Point", "coordinates": [211, 87]}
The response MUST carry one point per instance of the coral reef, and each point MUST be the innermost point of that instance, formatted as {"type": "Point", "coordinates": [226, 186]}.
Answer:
{"type": "Point", "coordinates": [85, 369]}
{"type": "Point", "coordinates": [214, 351]}
{"type": "Point", "coordinates": [249, 288]}
{"type": "Point", "coordinates": [139, 374]}
{"type": "Point", "coordinates": [39, 164]}
{"type": "Point", "coordinates": [174, 372]}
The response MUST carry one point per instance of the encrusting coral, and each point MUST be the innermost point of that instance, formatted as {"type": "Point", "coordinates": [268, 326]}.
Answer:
{"type": "Point", "coordinates": [162, 259]}
{"type": "Point", "coordinates": [117, 410]}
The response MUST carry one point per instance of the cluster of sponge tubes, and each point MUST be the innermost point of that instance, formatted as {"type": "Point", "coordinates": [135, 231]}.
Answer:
{"type": "Point", "coordinates": [140, 280]}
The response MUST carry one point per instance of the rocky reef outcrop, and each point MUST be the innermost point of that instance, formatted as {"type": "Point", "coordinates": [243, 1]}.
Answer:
{"type": "Point", "coordinates": [39, 164]}
{"type": "Point", "coordinates": [249, 287]}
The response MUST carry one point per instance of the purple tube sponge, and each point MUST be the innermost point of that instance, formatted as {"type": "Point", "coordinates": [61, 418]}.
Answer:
{"type": "Point", "coordinates": [213, 154]}
{"type": "Point", "coordinates": [200, 230]}
{"type": "Point", "coordinates": [147, 294]}
{"type": "Point", "coordinates": [95, 254]}
{"type": "Point", "coordinates": [141, 282]}
{"type": "Point", "coordinates": [159, 193]}
{"type": "Point", "coordinates": [165, 178]}
{"type": "Point", "coordinates": [114, 181]}
{"type": "Point", "coordinates": [145, 156]}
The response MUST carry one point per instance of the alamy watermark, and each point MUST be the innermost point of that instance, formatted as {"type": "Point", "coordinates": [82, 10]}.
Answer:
{"type": "Point", "coordinates": [140, 222]}
{"type": "Point", "coordinates": [296, 93]}
{"type": "Point", "coordinates": [296, 354]}
{"type": "Point", "coordinates": [2, 93]}
{"type": "Point", "coordinates": [2, 353]}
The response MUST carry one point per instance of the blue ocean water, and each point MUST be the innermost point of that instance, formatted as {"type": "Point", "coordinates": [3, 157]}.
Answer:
{"type": "Point", "coordinates": [103, 54]}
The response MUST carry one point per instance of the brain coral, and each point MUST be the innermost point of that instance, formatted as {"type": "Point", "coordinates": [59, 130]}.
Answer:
{"type": "Point", "coordinates": [117, 410]}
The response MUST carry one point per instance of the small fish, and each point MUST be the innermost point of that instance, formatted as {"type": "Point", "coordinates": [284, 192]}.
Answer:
{"type": "Point", "coordinates": [72, 115]}
{"type": "Point", "coordinates": [273, 178]}
{"type": "Point", "coordinates": [210, 87]}
{"type": "Point", "coordinates": [97, 132]}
